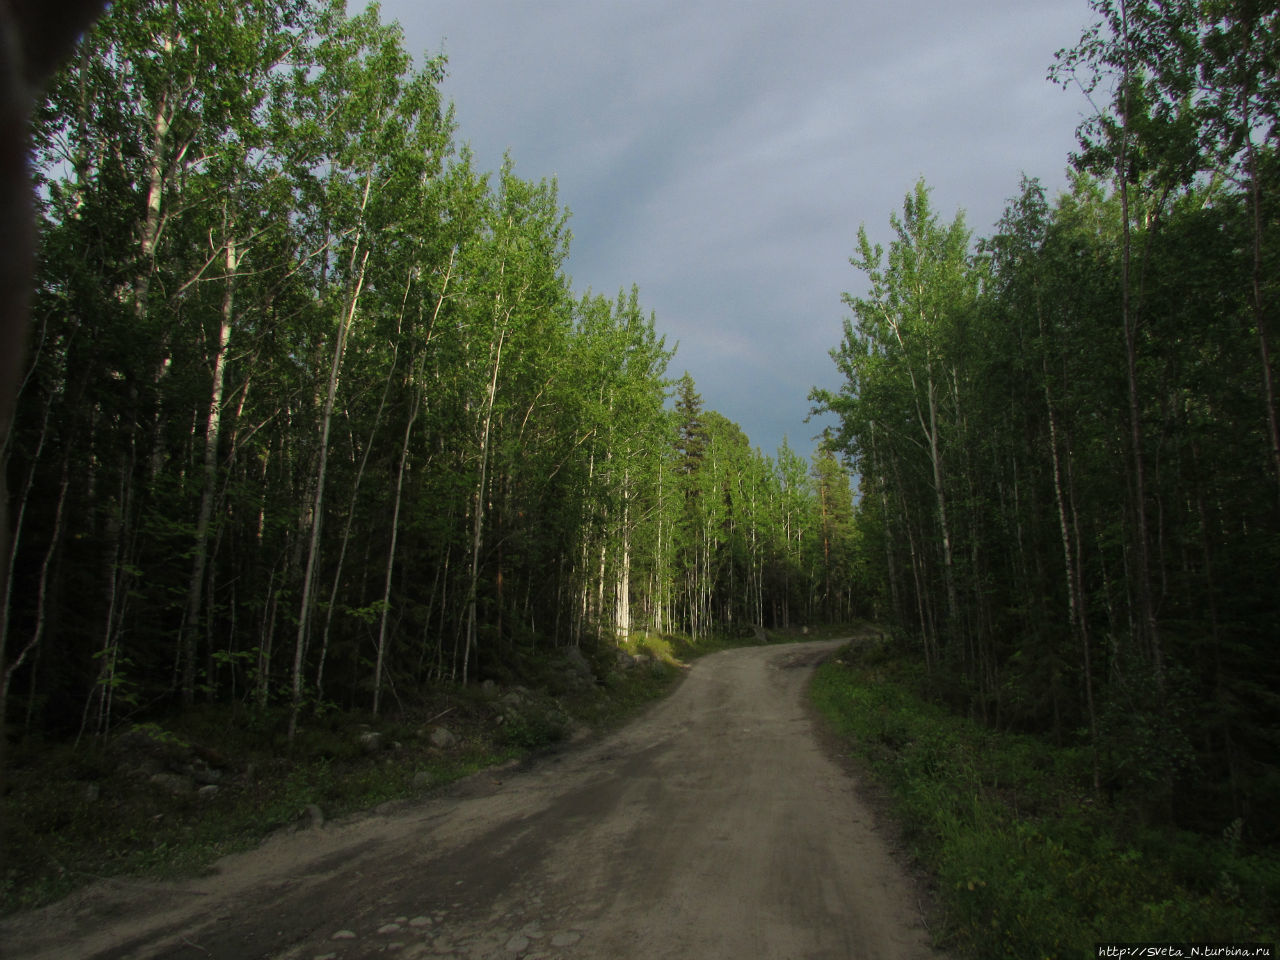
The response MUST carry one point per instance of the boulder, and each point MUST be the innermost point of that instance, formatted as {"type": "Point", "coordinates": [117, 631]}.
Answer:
{"type": "Point", "coordinates": [578, 663]}
{"type": "Point", "coordinates": [315, 815]}
{"type": "Point", "coordinates": [442, 738]}
{"type": "Point", "coordinates": [203, 774]}
{"type": "Point", "coordinates": [152, 753]}
{"type": "Point", "coordinates": [515, 698]}
{"type": "Point", "coordinates": [148, 750]}
{"type": "Point", "coordinates": [371, 741]}
{"type": "Point", "coordinates": [150, 739]}
{"type": "Point", "coordinates": [174, 784]}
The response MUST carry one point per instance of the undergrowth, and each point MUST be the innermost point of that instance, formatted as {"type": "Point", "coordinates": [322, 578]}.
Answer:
{"type": "Point", "coordinates": [1027, 862]}
{"type": "Point", "coordinates": [72, 815]}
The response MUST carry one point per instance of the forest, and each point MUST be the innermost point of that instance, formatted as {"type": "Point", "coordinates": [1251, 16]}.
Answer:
{"type": "Point", "coordinates": [1066, 432]}
{"type": "Point", "coordinates": [311, 417]}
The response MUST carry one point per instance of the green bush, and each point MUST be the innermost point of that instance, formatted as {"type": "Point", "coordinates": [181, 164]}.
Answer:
{"type": "Point", "coordinates": [1028, 863]}
{"type": "Point", "coordinates": [534, 731]}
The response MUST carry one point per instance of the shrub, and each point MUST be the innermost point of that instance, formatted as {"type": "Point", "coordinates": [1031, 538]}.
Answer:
{"type": "Point", "coordinates": [1027, 862]}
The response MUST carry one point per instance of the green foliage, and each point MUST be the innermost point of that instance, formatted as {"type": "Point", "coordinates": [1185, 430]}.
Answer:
{"type": "Point", "coordinates": [1027, 861]}
{"type": "Point", "coordinates": [1069, 475]}
{"type": "Point", "coordinates": [533, 732]}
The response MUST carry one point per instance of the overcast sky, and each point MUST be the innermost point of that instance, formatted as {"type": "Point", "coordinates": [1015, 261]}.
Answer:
{"type": "Point", "coordinates": [721, 154]}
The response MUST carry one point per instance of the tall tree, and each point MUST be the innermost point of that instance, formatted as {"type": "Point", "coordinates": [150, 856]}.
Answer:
{"type": "Point", "coordinates": [906, 329]}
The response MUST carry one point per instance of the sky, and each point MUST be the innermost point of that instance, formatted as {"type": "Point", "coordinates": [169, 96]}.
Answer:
{"type": "Point", "coordinates": [722, 154]}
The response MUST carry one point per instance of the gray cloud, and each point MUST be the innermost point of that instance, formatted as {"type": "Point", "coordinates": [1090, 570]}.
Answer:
{"type": "Point", "coordinates": [722, 154]}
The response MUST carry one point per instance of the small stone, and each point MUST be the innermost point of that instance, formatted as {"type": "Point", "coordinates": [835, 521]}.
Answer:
{"type": "Point", "coordinates": [326, 956]}
{"type": "Point", "coordinates": [565, 939]}
{"type": "Point", "coordinates": [371, 741]}
{"type": "Point", "coordinates": [207, 792]}
{"type": "Point", "coordinates": [316, 815]}
{"type": "Point", "coordinates": [518, 944]}
{"type": "Point", "coordinates": [421, 780]}
{"type": "Point", "coordinates": [344, 935]}
{"type": "Point", "coordinates": [92, 792]}
{"type": "Point", "coordinates": [420, 922]}
{"type": "Point", "coordinates": [389, 928]}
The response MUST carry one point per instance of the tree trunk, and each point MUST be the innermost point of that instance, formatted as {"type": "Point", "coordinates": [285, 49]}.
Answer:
{"type": "Point", "coordinates": [929, 428]}
{"type": "Point", "coordinates": [195, 589]}
{"type": "Point", "coordinates": [15, 537]}
{"type": "Point", "coordinates": [391, 551]}
{"type": "Point", "coordinates": [1077, 616]}
{"type": "Point", "coordinates": [313, 552]}
{"type": "Point", "coordinates": [477, 534]}
{"type": "Point", "coordinates": [880, 479]}
{"type": "Point", "coordinates": [55, 539]}
{"type": "Point", "coordinates": [355, 489]}
{"type": "Point", "coordinates": [149, 229]}
{"type": "Point", "coordinates": [622, 599]}
{"type": "Point", "coordinates": [1259, 309]}
{"type": "Point", "coordinates": [1129, 319]}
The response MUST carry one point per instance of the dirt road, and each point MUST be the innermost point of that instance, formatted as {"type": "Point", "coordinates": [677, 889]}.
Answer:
{"type": "Point", "coordinates": [715, 826]}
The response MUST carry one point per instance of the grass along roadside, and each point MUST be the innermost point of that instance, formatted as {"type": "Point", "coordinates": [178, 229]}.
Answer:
{"type": "Point", "coordinates": [1026, 862]}
{"type": "Point", "coordinates": [129, 806]}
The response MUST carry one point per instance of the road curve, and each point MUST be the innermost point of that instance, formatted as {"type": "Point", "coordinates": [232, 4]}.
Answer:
{"type": "Point", "coordinates": [714, 826]}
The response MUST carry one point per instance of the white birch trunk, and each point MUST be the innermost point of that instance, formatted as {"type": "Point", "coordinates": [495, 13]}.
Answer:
{"type": "Point", "coordinates": [304, 614]}
{"type": "Point", "coordinates": [477, 535]}
{"type": "Point", "coordinates": [195, 589]}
